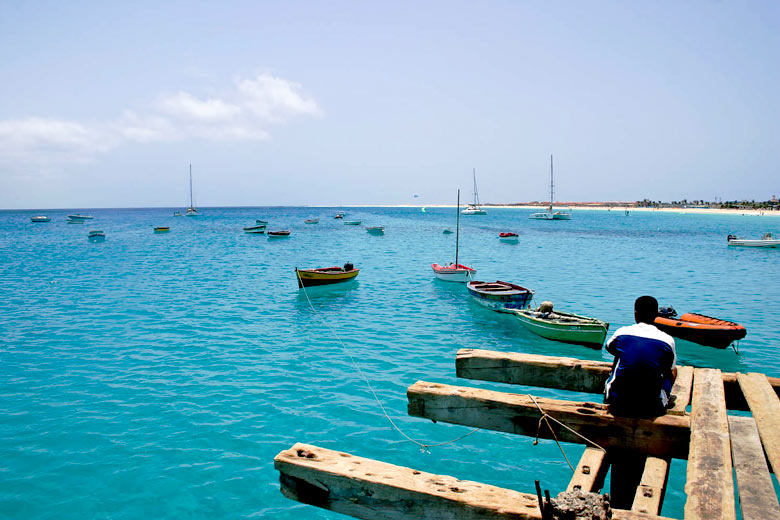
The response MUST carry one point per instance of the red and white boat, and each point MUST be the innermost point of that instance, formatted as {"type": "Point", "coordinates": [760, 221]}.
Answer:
{"type": "Point", "coordinates": [509, 237]}
{"type": "Point", "coordinates": [454, 272]}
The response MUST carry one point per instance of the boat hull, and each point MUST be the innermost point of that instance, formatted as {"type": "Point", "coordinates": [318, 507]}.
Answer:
{"type": "Point", "coordinates": [500, 296]}
{"type": "Point", "coordinates": [473, 212]}
{"type": "Point", "coordinates": [40, 219]}
{"type": "Point", "coordinates": [453, 273]}
{"type": "Point", "coordinates": [702, 330]}
{"type": "Point", "coordinates": [324, 276]}
{"type": "Point", "coordinates": [278, 234]}
{"type": "Point", "coordinates": [255, 230]}
{"type": "Point", "coordinates": [352, 222]}
{"type": "Point", "coordinates": [590, 332]}
{"type": "Point", "coordinates": [375, 230]}
{"type": "Point", "coordinates": [312, 221]}
{"type": "Point", "coordinates": [770, 244]}
{"type": "Point", "coordinates": [159, 230]}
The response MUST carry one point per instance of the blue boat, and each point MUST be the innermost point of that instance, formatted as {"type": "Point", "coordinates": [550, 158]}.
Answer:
{"type": "Point", "coordinates": [500, 296]}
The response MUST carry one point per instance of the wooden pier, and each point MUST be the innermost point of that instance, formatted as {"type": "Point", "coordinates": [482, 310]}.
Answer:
{"type": "Point", "coordinates": [717, 446]}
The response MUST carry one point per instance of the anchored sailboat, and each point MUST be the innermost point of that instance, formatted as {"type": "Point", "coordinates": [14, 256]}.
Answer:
{"type": "Point", "coordinates": [454, 272]}
{"type": "Point", "coordinates": [474, 209]}
{"type": "Point", "coordinates": [550, 214]}
{"type": "Point", "coordinates": [191, 211]}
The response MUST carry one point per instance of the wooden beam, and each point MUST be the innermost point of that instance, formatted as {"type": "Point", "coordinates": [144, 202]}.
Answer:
{"type": "Point", "coordinates": [532, 370]}
{"type": "Point", "coordinates": [765, 407]}
{"type": "Point", "coordinates": [370, 489]}
{"type": "Point", "coordinates": [665, 436]}
{"type": "Point", "coordinates": [650, 492]}
{"type": "Point", "coordinates": [681, 390]}
{"type": "Point", "coordinates": [590, 472]}
{"type": "Point", "coordinates": [709, 484]}
{"type": "Point", "coordinates": [757, 498]}
{"type": "Point", "coordinates": [564, 373]}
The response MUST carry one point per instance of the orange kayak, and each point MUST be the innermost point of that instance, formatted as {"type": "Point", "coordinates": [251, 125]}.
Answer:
{"type": "Point", "coordinates": [701, 329]}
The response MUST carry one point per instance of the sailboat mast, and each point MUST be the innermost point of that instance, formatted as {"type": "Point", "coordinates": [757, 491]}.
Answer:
{"type": "Point", "coordinates": [551, 182]}
{"type": "Point", "coordinates": [476, 193]}
{"type": "Point", "coordinates": [191, 185]}
{"type": "Point", "coordinates": [457, 228]}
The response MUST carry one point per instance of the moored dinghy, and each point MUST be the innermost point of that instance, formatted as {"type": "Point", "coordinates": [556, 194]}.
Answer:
{"type": "Point", "coordinates": [766, 241]}
{"type": "Point", "coordinates": [325, 275]}
{"type": "Point", "coordinates": [161, 229]}
{"type": "Point", "coordinates": [509, 237]}
{"type": "Point", "coordinates": [698, 328]}
{"type": "Point", "coordinates": [375, 230]}
{"type": "Point", "coordinates": [279, 234]}
{"type": "Point", "coordinates": [40, 218]}
{"type": "Point", "coordinates": [500, 296]}
{"type": "Point", "coordinates": [563, 326]}
{"type": "Point", "coordinates": [96, 236]}
{"type": "Point", "coordinates": [259, 229]}
{"type": "Point", "coordinates": [311, 221]}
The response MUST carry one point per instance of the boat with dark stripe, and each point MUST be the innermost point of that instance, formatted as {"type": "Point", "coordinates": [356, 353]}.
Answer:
{"type": "Point", "coordinates": [325, 275]}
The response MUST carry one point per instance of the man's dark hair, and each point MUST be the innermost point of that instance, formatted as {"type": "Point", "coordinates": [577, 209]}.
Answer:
{"type": "Point", "coordinates": [645, 309]}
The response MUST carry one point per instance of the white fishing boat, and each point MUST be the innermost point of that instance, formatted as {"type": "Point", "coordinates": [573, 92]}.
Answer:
{"type": "Point", "coordinates": [78, 218]}
{"type": "Point", "coordinates": [766, 241]}
{"type": "Point", "coordinates": [551, 214]}
{"type": "Point", "coordinates": [454, 272]}
{"type": "Point", "coordinates": [311, 221]}
{"type": "Point", "coordinates": [474, 208]}
{"type": "Point", "coordinates": [40, 218]}
{"type": "Point", "coordinates": [191, 211]}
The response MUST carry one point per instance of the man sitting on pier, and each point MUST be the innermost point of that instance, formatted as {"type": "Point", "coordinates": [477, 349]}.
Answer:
{"type": "Point", "coordinates": [644, 369]}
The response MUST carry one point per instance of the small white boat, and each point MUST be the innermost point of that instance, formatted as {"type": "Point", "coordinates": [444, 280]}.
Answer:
{"type": "Point", "coordinates": [376, 230]}
{"type": "Point", "coordinates": [40, 218]}
{"type": "Point", "coordinates": [255, 230]}
{"type": "Point", "coordinates": [79, 218]}
{"type": "Point", "coordinates": [352, 222]}
{"type": "Point", "coordinates": [311, 221]}
{"type": "Point", "coordinates": [178, 214]}
{"type": "Point", "coordinates": [766, 241]}
{"type": "Point", "coordinates": [454, 272]}
{"type": "Point", "coordinates": [96, 236]}
{"type": "Point", "coordinates": [474, 208]}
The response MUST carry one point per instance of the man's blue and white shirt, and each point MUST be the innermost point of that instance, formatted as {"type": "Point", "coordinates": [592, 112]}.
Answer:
{"type": "Point", "coordinates": [641, 377]}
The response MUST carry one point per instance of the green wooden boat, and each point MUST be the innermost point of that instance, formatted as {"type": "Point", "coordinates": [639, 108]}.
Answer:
{"type": "Point", "coordinates": [564, 327]}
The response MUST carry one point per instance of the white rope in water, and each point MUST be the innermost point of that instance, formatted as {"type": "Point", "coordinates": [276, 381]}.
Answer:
{"type": "Point", "coordinates": [547, 418]}
{"type": "Point", "coordinates": [424, 447]}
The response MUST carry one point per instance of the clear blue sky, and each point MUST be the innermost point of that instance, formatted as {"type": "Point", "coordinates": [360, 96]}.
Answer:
{"type": "Point", "coordinates": [105, 104]}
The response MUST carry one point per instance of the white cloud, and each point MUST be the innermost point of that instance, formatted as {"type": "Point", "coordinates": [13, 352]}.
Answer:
{"type": "Point", "coordinates": [245, 111]}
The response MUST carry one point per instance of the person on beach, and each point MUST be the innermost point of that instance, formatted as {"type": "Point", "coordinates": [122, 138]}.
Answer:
{"type": "Point", "coordinates": [644, 370]}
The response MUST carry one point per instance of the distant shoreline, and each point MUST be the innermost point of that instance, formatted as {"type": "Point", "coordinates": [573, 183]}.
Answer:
{"type": "Point", "coordinates": [575, 209]}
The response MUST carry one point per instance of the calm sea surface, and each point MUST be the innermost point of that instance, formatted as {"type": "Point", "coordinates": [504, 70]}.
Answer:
{"type": "Point", "coordinates": [159, 375]}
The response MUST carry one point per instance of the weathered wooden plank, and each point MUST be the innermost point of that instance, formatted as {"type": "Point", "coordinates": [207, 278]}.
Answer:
{"type": "Point", "coordinates": [681, 391]}
{"type": "Point", "coordinates": [709, 483]}
{"type": "Point", "coordinates": [765, 407]}
{"type": "Point", "coordinates": [564, 373]}
{"type": "Point", "coordinates": [532, 370]}
{"type": "Point", "coordinates": [590, 472]}
{"type": "Point", "coordinates": [663, 436]}
{"type": "Point", "coordinates": [650, 492]}
{"type": "Point", "coordinates": [757, 498]}
{"type": "Point", "coordinates": [370, 489]}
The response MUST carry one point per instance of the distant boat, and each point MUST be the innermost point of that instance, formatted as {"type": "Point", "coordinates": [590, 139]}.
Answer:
{"type": "Point", "coordinates": [191, 211]}
{"type": "Point", "coordinates": [509, 237]}
{"type": "Point", "coordinates": [340, 214]}
{"type": "Point", "coordinates": [311, 221]}
{"type": "Point", "coordinates": [562, 326]}
{"type": "Point", "coordinates": [499, 295]}
{"type": "Point", "coordinates": [77, 218]}
{"type": "Point", "coordinates": [766, 241]}
{"type": "Point", "coordinates": [40, 218]}
{"type": "Point", "coordinates": [162, 229]}
{"type": "Point", "coordinates": [279, 234]}
{"type": "Point", "coordinates": [474, 208]}
{"type": "Point", "coordinates": [352, 222]}
{"type": "Point", "coordinates": [550, 214]}
{"type": "Point", "coordinates": [376, 230]}
{"type": "Point", "coordinates": [454, 272]}
{"type": "Point", "coordinates": [256, 230]}
{"type": "Point", "coordinates": [698, 328]}
{"type": "Point", "coordinates": [325, 275]}
{"type": "Point", "coordinates": [263, 222]}
{"type": "Point", "coordinates": [447, 231]}
{"type": "Point", "coordinates": [96, 236]}
{"type": "Point", "coordinates": [178, 214]}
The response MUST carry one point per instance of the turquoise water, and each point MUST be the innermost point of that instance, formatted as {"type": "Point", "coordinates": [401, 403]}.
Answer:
{"type": "Point", "coordinates": [159, 375]}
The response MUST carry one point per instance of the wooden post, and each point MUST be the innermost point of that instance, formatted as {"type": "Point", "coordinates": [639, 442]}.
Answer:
{"type": "Point", "coordinates": [757, 499]}
{"type": "Point", "coordinates": [650, 492]}
{"type": "Point", "coordinates": [765, 407]}
{"type": "Point", "coordinates": [590, 472]}
{"type": "Point", "coordinates": [709, 484]}
{"type": "Point", "coordinates": [664, 436]}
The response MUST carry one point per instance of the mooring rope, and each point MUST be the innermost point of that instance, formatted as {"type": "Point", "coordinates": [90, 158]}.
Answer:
{"type": "Point", "coordinates": [547, 418]}
{"type": "Point", "coordinates": [424, 447]}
